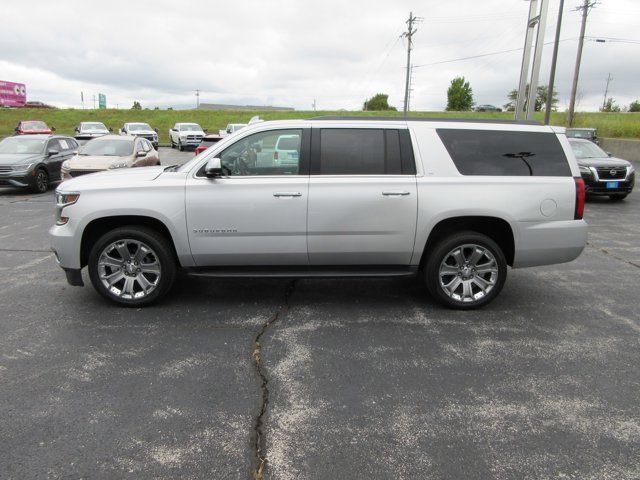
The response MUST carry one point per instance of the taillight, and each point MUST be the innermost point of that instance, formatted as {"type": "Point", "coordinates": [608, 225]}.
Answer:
{"type": "Point", "coordinates": [579, 213]}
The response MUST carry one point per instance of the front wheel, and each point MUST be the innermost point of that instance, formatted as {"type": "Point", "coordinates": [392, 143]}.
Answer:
{"type": "Point", "coordinates": [180, 147]}
{"type": "Point", "coordinates": [41, 181]}
{"type": "Point", "coordinates": [465, 270]}
{"type": "Point", "coordinates": [132, 266]}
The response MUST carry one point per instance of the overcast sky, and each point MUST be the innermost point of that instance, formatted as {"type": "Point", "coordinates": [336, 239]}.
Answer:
{"type": "Point", "coordinates": [290, 52]}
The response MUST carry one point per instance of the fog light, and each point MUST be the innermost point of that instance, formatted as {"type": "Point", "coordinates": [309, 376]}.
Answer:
{"type": "Point", "coordinates": [62, 221]}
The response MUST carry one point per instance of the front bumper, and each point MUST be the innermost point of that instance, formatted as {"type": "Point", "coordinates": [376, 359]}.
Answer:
{"type": "Point", "coordinates": [594, 186]}
{"type": "Point", "coordinates": [17, 179]}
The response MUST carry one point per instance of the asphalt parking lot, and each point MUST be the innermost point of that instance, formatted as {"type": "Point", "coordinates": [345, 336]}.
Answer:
{"type": "Point", "coordinates": [366, 378]}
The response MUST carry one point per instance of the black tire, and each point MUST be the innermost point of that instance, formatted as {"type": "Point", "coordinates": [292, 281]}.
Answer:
{"type": "Point", "coordinates": [41, 181]}
{"type": "Point", "coordinates": [161, 250]}
{"type": "Point", "coordinates": [441, 252]}
{"type": "Point", "coordinates": [171, 142]}
{"type": "Point", "coordinates": [618, 197]}
{"type": "Point", "coordinates": [180, 147]}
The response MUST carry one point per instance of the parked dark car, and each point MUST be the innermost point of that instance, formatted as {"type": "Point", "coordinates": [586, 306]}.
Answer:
{"type": "Point", "coordinates": [603, 174]}
{"type": "Point", "coordinates": [33, 127]}
{"type": "Point", "coordinates": [207, 141]}
{"type": "Point", "coordinates": [487, 108]}
{"type": "Point", "coordinates": [590, 134]}
{"type": "Point", "coordinates": [34, 161]}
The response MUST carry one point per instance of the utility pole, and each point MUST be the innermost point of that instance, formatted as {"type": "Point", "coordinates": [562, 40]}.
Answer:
{"type": "Point", "coordinates": [82, 99]}
{"type": "Point", "coordinates": [606, 92]}
{"type": "Point", "coordinates": [197, 98]}
{"type": "Point", "coordinates": [313, 105]}
{"type": "Point", "coordinates": [554, 60]}
{"type": "Point", "coordinates": [588, 5]}
{"type": "Point", "coordinates": [410, 87]}
{"type": "Point", "coordinates": [94, 101]}
{"type": "Point", "coordinates": [409, 36]}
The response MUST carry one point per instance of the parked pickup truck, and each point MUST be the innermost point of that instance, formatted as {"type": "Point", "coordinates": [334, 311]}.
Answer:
{"type": "Point", "coordinates": [454, 202]}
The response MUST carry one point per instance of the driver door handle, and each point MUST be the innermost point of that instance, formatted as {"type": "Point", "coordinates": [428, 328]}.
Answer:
{"type": "Point", "coordinates": [287, 194]}
{"type": "Point", "coordinates": [395, 194]}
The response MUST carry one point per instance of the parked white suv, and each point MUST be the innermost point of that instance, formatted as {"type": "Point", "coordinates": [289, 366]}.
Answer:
{"type": "Point", "coordinates": [455, 202]}
{"type": "Point", "coordinates": [185, 135]}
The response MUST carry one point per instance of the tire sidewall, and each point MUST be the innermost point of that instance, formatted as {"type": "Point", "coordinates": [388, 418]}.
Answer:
{"type": "Point", "coordinates": [157, 243]}
{"type": "Point", "coordinates": [36, 187]}
{"type": "Point", "coordinates": [442, 248]}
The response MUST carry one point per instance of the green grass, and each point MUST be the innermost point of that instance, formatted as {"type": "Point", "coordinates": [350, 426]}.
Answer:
{"type": "Point", "coordinates": [615, 125]}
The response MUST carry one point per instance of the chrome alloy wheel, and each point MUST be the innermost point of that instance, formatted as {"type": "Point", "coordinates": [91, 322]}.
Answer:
{"type": "Point", "coordinates": [129, 269]}
{"type": "Point", "coordinates": [468, 273]}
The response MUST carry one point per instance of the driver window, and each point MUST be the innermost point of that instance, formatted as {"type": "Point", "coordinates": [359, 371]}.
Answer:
{"type": "Point", "coordinates": [276, 152]}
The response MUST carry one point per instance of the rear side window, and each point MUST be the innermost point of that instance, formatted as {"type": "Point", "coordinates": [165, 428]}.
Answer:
{"type": "Point", "coordinates": [505, 153]}
{"type": "Point", "coordinates": [353, 151]}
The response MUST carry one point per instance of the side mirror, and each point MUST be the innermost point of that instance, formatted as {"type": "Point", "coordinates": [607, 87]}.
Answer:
{"type": "Point", "coordinates": [111, 129]}
{"type": "Point", "coordinates": [53, 152]}
{"type": "Point", "coordinates": [155, 130]}
{"type": "Point", "coordinates": [141, 154]}
{"type": "Point", "coordinates": [17, 129]}
{"type": "Point", "coordinates": [205, 130]}
{"type": "Point", "coordinates": [77, 130]}
{"type": "Point", "coordinates": [609, 153]}
{"type": "Point", "coordinates": [75, 152]}
{"type": "Point", "coordinates": [53, 129]}
{"type": "Point", "coordinates": [213, 168]}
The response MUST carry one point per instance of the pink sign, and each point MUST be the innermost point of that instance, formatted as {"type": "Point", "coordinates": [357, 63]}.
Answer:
{"type": "Point", "coordinates": [12, 94]}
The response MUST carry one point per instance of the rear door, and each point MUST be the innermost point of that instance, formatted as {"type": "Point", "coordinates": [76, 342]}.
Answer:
{"type": "Point", "coordinates": [362, 197]}
{"type": "Point", "coordinates": [256, 214]}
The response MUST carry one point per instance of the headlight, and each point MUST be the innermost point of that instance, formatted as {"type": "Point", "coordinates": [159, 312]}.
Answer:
{"type": "Point", "coordinates": [64, 200]}
{"type": "Point", "coordinates": [65, 165]}
{"type": "Point", "coordinates": [631, 169]}
{"type": "Point", "coordinates": [118, 165]}
{"type": "Point", "coordinates": [22, 167]}
{"type": "Point", "coordinates": [584, 169]}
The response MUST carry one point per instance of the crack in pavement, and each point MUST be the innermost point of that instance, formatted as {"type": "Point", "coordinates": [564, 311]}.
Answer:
{"type": "Point", "coordinates": [24, 250]}
{"type": "Point", "coordinates": [259, 446]}
{"type": "Point", "coordinates": [613, 255]}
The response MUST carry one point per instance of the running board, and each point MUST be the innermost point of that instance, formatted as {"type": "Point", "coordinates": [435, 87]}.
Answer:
{"type": "Point", "coordinates": [305, 271]}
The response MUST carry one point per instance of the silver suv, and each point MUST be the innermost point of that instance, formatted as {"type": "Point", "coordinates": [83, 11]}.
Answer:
{"type": "Point", "coordinates": [454, 202]}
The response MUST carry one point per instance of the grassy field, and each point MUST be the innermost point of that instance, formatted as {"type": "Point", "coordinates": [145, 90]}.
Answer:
{"type": "Point", "coordinates": [615, 125]}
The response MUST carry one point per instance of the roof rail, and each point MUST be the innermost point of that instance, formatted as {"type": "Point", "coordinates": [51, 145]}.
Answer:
{"type": "Point", "coordinates": [430, 119]}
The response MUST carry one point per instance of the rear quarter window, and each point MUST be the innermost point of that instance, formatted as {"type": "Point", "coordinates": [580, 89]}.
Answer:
{"type": "Point", "coordinates": [505, 153]}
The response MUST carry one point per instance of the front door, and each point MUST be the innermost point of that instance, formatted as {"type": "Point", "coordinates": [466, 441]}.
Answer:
{"type": "Point", "coordinates": [256, 214]}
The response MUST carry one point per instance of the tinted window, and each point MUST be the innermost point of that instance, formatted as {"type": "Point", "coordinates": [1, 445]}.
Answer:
{"type": "Point", "coordinates": [257, 155]}
{"type": "Point", "coordinates": [350, 151]}
{"type": "Point", "coordinates": [491, 152]}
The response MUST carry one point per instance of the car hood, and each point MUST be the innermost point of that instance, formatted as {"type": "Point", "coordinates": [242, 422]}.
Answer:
{"type": "Point", "coordinates": [94, 162]}
{"type": "Point", "coordinates": [603, 162]}
{"type": "Point", "coordinates": [191, 132]}
{"type": "Point", "coordinates": [120, 177]}
{"type": "Point", "coordinates": [17, 158]}
{"type": "Point", "coordinates": [93, 132]}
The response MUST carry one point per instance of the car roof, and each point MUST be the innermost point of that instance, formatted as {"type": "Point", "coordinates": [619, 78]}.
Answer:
{"type": "Point", "coordinates": [582, 128]}
{"type": "Point", "coordinates": [114, 137]}
{"type": "Point", "coordinates": [429, 119]}
{"type": "Point", "coordinates": [137, 123]}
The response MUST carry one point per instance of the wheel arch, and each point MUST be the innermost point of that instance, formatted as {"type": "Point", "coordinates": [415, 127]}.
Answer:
{"type": "Point", "coordinates": [99, 226]}
{"type": "Point", "coordinates": [496, 228]}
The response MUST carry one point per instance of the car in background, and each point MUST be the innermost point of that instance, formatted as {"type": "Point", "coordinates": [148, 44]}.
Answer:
{"type": "Point", "coordinates": [232, 128]}
{"type": "Point", "coordinates": [286, 150]}
{"type": "Point", "coordinates": [33, 127]}
{"type": "Point", "coordinates": [89, 130]}
{"type": "Point", "coordinates": [185, 135]}
{"type": "Point", "coordinates": [110, 152]}
{"type": "Point", "coordinates": [603, 174]}
{"type": "Point", "coordinates": [208, 140]}
{"type": "Point", "coordinates": [590, 134]}
{"type": "Point", "coordinates": [34, 161]}
{"type": "Point", "coordinates": [143, 130]}
{"type": "Point", "coordinates": [487, 108]}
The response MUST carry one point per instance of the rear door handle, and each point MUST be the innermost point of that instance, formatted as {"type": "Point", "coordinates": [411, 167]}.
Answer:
{"type": "Point", "coordinates": [287, 194]}
{"type": "Point", "coordinates": [395, 194]}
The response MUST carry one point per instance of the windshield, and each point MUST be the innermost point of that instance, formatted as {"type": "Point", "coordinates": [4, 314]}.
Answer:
{"type": "Point", "coordinates": [190, 127]}
{"type": "Point", "coordinates": [580, 133]}
{"type": "Point", "coordinates": [587, 150]}
{"type": "Point", "coordinates": [93, 126]}
{"type": "Point", "coordinates": [22, 145]}
{"type": "Point", "coordinates": [34, 126]}
{"type": "Point", "coordinates": [108, 148]}
{"type": "Point", "coordinates": [137, 127]}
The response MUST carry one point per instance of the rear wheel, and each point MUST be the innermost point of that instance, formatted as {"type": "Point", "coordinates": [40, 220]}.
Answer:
{"type": "Point", "coordinates": [465, 270]}
{"type": "Point", "coordinates": [618, 197]}
{"type": "Point", "coordinates": [41, 181]}
{"type": "Point", "coordinates": [132, 266]}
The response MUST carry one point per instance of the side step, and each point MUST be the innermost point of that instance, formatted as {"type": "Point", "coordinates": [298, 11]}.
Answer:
{"type": "Point", "coordinates": [305, 271]}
